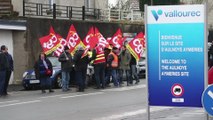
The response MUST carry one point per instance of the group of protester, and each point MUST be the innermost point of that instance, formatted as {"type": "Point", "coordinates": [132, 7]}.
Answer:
{"type": "Point", "coordinates": [6, 68]}
{"type": "Point", "coordinates": [108, 63]}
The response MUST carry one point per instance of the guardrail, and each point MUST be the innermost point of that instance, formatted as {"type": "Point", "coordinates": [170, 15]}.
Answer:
{"type": "Point", "coordinates": [79, 13]}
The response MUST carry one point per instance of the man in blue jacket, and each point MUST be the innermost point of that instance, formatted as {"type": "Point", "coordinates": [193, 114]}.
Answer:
{"type": "Point", "coordinates": [9, 71]}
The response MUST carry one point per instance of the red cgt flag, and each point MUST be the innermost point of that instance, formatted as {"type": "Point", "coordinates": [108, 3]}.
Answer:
{"type": "Point", "coordinates": [101, 40]}
{"type": "Point", "coordinates": [73, 40]}
{"type": "Point", "coordinates": [89, 36]}
{"type": "Point", "coordinates": [89, 41]}
{"type": "Point", "coordinates": [135, 46]}
{"type": "Point", "coordinates": [50, 42]}
{"type": "Point", "coordinates": [60, 48]}
{"type": "Point", "coordinates": [116, 40]}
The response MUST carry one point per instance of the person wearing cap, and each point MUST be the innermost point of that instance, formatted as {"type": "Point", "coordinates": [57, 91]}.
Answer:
{"type": "Point", "coordinates": [66, 67]}
{"type": "Point", "coordinates": [133, 71]}
{"type": "Point", "coordinates": [9, 71]}
{"type": "Point", "coordinates": [4, 66]}
{"type": "Point", "coordinates": [112, 66]}
{"type": "Point", "coordinates": [80, 68]}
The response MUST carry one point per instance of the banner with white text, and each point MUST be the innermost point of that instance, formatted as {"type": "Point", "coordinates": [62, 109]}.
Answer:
{"type": "Point", "coordinates": [175, 51]}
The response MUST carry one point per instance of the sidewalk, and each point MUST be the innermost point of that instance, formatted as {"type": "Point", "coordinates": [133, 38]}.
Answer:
{"type": "Point", "coordinates": [184, 113]}
{"type": "Point", "coordinates": [15, 87]}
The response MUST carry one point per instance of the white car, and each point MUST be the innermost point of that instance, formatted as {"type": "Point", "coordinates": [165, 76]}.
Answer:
{"type": "Point", "coordinates": [141, 66]}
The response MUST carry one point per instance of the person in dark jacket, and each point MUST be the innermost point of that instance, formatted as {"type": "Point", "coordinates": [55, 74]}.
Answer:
{"type": "Point", "coordinates": [133, 71]}
{"type": "Point", "coordinates": [80, 68]}
{"type": "Point", "coordinates": [9, 71]}
{"type": "Point", "coordinates": [4, 66]}
{"type": "Point", "coordinates": [43, 70]}
{"type": "Point", "coordinates": [66, 66]}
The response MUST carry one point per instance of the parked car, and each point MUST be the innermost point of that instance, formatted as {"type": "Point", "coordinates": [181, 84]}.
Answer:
{"type": "Point", "coordinates": [29, 80]}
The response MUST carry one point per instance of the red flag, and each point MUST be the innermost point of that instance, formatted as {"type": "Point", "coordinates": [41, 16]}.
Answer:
{"type": "Point", "coordinates": [88, 41]}
{"type": "Point", "coordinates": [101, 40]}
{"type": "Point", "coordinates": [122, 41]}
{"type": "Point", "coordinates": [52, 30]}
{"type": "Point", "coordinates": [116, 39]}
{"type": "Point", "coordinates": [135, 46]}
{"type": "Point", "coordinates": [89, 36]}
{"type": "Point", "coordinates": [50, 42]}
{"type": "Point", "coordinates": [93, 42]}
{"type": "Point", "coordinates": [144, 42]}
{"type": "Point", "coordinates": [60, 48]}
{"type": "Point", "coordinates": [210, 76]}
{"type": "Point", "coordinates": [73, 40]}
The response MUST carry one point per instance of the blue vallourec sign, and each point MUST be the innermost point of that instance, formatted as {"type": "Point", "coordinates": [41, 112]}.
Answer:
{"type": "Point", "coordinates": [175, 52]}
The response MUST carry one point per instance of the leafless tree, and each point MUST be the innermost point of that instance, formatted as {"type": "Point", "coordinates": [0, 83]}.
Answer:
{"type": "Point", "coordinates": [209, 3]}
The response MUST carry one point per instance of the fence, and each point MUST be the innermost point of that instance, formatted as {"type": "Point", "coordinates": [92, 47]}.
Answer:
{"type": "Point", "coordinates": [118, 15]}
{"type": "Point", "coordinates": [79, 13]}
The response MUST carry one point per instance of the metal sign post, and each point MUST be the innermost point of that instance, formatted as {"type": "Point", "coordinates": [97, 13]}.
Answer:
{"type": "Point", "coordinates": [147, 89]}
{"type": "Point", "coordinates": [206, 49]}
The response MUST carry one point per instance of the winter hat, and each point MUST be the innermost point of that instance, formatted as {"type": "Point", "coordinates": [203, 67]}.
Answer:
{"type": "Point", "coordinates": [3, 47]}
{"type": "Point", "coordinates": [80, 47]}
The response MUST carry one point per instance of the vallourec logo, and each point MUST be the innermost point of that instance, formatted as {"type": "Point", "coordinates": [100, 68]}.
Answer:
{"type": "Point", "coordinates": [175, 13]}
{"type": "Point", "coordinates": [156, 14]}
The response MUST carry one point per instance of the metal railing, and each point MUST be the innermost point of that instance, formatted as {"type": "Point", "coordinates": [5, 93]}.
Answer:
{"type": "Point", "coordinates": [118, 15]}
{"type": "Point", "coordinates": [79, 13]}
{"type": "Point", "coordinates": [58, 11]}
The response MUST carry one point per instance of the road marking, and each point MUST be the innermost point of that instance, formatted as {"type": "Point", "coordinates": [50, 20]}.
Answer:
{"type": "Point", "coordinates": [20, 103]}
{"type": "Point", "coordinates": [9, 101]}
{"type": "Point", "coordinates": [131, 113]}
{"type": "Point", "coordinates": [96, 93]}
{"type": "Point", "coordinates": [56, 95]}
{"type": "Point", "coordinates": [125, 88]}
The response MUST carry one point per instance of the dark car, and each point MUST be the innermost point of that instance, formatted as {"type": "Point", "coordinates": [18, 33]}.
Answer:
{"type": "Point", "coordinates": [30, 82]}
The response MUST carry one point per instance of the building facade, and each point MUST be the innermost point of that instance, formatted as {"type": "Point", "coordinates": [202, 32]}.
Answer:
{"type": "Point", "coordinates": [98, 4]}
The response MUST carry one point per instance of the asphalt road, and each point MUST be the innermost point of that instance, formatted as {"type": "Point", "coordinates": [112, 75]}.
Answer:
{"type": "Point", "coordinates": [124, 103]}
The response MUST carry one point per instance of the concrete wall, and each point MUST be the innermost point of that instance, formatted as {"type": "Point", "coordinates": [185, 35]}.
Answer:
{"type": "Point", "coordinates": [37, 28]}
{"type": "Point", "coordinates": [101, 4]}
{"type": "Point", "coordinates": [18, 6]}
{"type": "Point", "coordinates": [15, 41]}
{"type": "Point", "coordinates": [78, 3]}
{"type": "Point", "coordinates": [20, 55]}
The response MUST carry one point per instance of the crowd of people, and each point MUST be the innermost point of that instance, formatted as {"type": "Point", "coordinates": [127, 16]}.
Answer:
{"type": "Point", "coordinates": [108, 63]}
{"type": "Point", "coordinates": [6, 68]}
